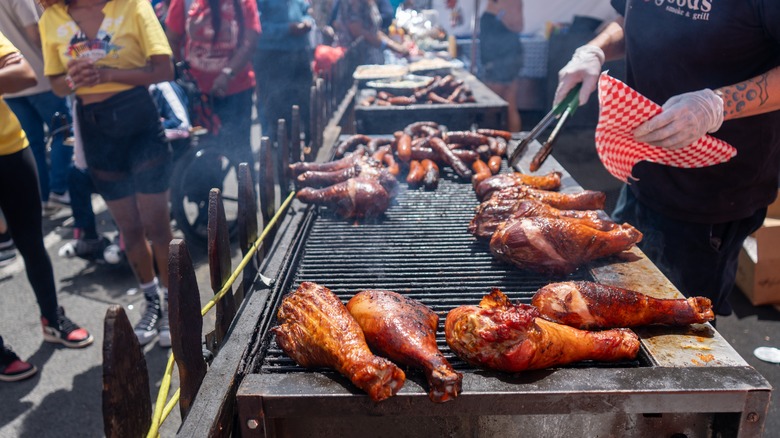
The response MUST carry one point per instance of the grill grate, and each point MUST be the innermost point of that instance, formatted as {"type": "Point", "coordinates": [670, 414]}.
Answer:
{"type": "Point", "coordinates": [421, 249]}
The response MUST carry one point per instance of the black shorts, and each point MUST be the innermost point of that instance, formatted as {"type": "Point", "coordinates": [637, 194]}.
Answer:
{"type": "Point", "coordinates": [124, 145]}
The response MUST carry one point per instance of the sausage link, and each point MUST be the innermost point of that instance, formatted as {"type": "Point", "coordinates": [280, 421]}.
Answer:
{"type": "Point", "coordinates": [450, 158]}
{"type": "Point", "coordinates": [414, 128]}
{"type": "Point", "coordinates": [481, 172]}
{"type": "Point", "coordinates": [351, 143]}
{"type": "Point", "coordinates": [466, 137]}
{"type": "Point", "coordinates": [416, 173]}
{"type": "Point", "coordinates": [494, 163]}
{"type": "Point", "coordinates": [375, 143]}
{"type": "Point", "coordinates": [466, 155]}
{"type": "Point", "coordinates": [506, 135]}
{"type": "Point", "coordinates": [402, 100]}
{"type": "Point", "coordinates": [431, 178]}
{"type": "Point", "coordinates": [404, 148]}
{"type": "Point", "coordinates": [422, 153]}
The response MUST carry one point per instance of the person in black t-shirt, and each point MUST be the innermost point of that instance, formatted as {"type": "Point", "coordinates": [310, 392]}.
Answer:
{"type": "Point", "coordinates": [715, 68]}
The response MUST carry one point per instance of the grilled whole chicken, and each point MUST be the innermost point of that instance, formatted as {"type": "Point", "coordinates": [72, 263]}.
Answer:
{"type": "Point", "coordinates": [316, 330]}
{"type": "Point", "coordinates": [551, 181]}
{"type": "Point", "coordinates": [487, 220]}
{"type": "Point", "coordinates": [404, 330]}
{"type": "Point", "coordinates": [588, 305]}
{"type": "Point", "coordinates": [355, 197]}
{"type": "Point", "coordinates": [584, 200]}
{"type": "Point", "coordinates": [557, 246]}
{"type": "Point", "coordinates": [502, 336]}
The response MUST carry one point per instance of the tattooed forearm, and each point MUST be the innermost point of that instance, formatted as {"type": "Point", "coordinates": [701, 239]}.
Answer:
{"type": "Point", "coordinates": [757, 95]}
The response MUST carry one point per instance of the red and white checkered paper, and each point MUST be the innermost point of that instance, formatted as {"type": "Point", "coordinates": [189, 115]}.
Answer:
{"type": "Point", "coordinates": [623, 109]}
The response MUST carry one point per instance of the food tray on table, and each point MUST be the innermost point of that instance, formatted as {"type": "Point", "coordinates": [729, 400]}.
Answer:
{"type": "Point", "coordinates": [404, 85]}
{"type": "Point", "coordinates": [488, 110]}
{"type": "Point", "coordinates": [434, 66]}
{"type": "Point", "coordinates": [372, 72]}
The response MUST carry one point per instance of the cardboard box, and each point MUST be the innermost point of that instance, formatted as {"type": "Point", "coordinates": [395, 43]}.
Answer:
{"type": "Point", "coordinates": [758, 274]}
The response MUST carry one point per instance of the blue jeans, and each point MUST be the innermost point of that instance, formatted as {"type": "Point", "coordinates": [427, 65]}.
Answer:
{"type": "Point", "coordinates": [699, 259]}
{"type": "Point", "coordinates": [34, 112]}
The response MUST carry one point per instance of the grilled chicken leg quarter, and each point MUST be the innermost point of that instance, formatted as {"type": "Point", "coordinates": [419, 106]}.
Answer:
{"type": "Point", "coordinates": [588, 305]}
{"type": "Point", "coordinates": [404, 330]}
{"type": "Point", "coordinates": [510, 337]}
{"type": "Point", "coordinates": [316, 330]}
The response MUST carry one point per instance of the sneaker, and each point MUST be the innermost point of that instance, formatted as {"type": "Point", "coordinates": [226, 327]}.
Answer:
{"type": "Point", "coordinates": [13, 369]}
{"type": "Point", "coordinates": [49, 208]}
{"type": "Point", "coordinates": [66, 332]}
{"type": "Point", "coordinates": [146, 329]}
{"type": "Point", "coordinates": [5, 241]}
{"type": "Point", "coordinates": [60, 198]}
{"type": "Point", "coordinates": [7, 256]}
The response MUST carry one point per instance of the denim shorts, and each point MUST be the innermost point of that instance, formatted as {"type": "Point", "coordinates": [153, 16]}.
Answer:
{"type": "Point", "coordinates": [124, 145]}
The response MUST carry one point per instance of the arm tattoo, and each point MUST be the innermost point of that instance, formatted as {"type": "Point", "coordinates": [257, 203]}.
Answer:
{"type": "Point", "coordinates": [754, 92]}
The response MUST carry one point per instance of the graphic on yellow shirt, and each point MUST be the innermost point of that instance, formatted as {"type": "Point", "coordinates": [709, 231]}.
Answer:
{"type": "Point", "coordinates": [82, 47]}
{"type": "Point", "coordinates": [12, 138]}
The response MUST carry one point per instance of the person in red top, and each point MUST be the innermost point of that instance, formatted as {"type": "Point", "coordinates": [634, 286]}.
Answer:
{"type": "Point", "coordinates": [218, 49]}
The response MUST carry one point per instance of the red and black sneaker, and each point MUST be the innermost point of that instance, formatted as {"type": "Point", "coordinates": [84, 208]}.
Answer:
{"type": "Point", "coordinates": [65, 332]}
{"type": "Point", "coordinates": [12, 368]}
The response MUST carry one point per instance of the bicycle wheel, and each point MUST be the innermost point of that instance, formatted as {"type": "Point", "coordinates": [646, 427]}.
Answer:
{"type": "Point", "coordinates": [194, 175]}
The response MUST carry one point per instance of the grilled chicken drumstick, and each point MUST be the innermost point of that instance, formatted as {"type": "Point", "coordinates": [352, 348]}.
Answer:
{"type": "Point", "coordinates": [316, 330]}
{"type": "Point", "coordinates": [502, 336]}
{"type": "Point", "coordinates": [355, 197]}
{"type": "Point", "coordinates": [588, 305]}
{"type": "Point", "coordinates": [404, 330]}
{"type": "Point", "coordinates": [551, 181]}
{"type": "Point", "coordinates": [584, 200]}
{"type": "Point", "coordinates": [557, 246]}
{"type": "Point", "coordinates": [485, 222]}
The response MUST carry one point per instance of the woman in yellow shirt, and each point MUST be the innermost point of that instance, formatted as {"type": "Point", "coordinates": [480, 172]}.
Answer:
{"type": "Point", "coordinates": [20, 200]}
{"type": "Point", "coordinates": [107, 53]}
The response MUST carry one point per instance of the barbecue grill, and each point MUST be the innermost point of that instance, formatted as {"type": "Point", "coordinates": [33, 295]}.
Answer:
{"type": "Point", "coordinates": [686, 381]}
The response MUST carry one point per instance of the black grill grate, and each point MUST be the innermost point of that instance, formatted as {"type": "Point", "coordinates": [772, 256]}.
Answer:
{"type": "Point", "coordinates": [421, 248]}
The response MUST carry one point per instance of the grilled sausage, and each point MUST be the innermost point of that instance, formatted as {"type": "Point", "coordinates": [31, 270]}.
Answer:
{"type": "Point", "coordinates": [506, 135]}
{"type": "Point", "coordinates": [421, 153]}
{"type": "Point", "coordinates": [447, 155]}
{"type": "Point", "coordinates": [402, 100]}
{"type": "Point", "coordinates": [431, 178]}
{"type": "Point", "coordinates": [435, 98]}
{"type": "Point", "coordinates": [481, 172]}
{"type": "Point", "coordinates": [302, 166]}
{"type": "Point", "coordinates": [350, 143]}
{"type": "Point", "coordinates": [466, 155]}
{"type": "Point", "coordinates": [494, 163]}
{"type": "Point", "coordinates": [375, 143]}
{"type": "Point", "coordinates": [416, 173]}
{"type": "Point", "coordinates": [413, 129]}
{"type": "Point", "coordinates": [404, 148]}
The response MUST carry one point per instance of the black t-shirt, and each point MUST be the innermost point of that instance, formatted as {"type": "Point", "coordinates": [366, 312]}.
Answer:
{"type": "Point", "coordinates": [678, 46]}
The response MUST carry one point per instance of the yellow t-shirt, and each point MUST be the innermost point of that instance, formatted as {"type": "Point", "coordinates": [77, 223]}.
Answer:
{"type": "Point", "coordinates": [12, 138]}
{"type": "Point", "coordinates": [129, 35]}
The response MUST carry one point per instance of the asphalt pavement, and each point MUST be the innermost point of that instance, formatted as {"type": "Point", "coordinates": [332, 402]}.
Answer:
{"type": "Point", "coordinates": [64, 398]}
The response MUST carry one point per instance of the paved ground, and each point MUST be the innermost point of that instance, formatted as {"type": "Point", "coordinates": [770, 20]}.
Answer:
{"type": "Point", "coordinates": [64, 399]}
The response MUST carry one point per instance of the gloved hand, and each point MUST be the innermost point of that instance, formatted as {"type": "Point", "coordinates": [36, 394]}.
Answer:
{"type": "Point", "coordinates": [685, 118]}
{"type": "Point", "coordinates": [584, 66]}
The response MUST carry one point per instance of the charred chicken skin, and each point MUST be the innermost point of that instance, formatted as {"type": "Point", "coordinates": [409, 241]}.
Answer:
{"type": "Point", "coordinates": [353, 198]}
{"type": "Point", "coordinates": [557, 246]}
{"type": "Point", "coordinates": [404, 330]}
{"type": "Point", "coordinates": [316, 330]}
{"type": "Point", "coordinates": [486, 220]}
{"type": "Point", "coordinates": [588, 305]}
{"type": "Point", "coordinates": [502, 336]}
{"type": "Point", "coordinates": [551, 181]}
{"type": "Point", "coordinates": [584, 200]}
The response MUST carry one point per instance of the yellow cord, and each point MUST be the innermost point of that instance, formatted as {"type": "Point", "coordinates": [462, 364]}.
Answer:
{"type": "Point", "coordinates": [160, 413]}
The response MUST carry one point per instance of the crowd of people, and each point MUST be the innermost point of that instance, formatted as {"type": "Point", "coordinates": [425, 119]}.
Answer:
{"type": "Point", "coordinates": [93, 63]}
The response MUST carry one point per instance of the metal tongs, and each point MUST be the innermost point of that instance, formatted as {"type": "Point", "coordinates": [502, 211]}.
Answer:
{"type": "Point", "coordinates": [560, 112]}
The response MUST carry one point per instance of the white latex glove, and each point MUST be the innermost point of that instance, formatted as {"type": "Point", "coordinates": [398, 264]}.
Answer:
{"type": "Point", "coordinates": [584, 66]}
{"type": "Point", "coordinates": [685, 118]}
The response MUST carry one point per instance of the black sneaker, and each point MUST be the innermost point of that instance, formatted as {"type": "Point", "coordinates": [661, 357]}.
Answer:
{"type": "Point", "coordinates": [65, 332]}
{"type": "Point", "coordinates": [5, 241]}
{"type": "Point", "coordinates": [7, 256]}
{"type": "Point", "coordinates": [146, 329]}
{"type": "Point", "coordinates": [13, 369]}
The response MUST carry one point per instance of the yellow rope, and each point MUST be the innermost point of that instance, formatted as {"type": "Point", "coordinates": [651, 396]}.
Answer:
{"type": "Point", "coordinates": [160, 413]}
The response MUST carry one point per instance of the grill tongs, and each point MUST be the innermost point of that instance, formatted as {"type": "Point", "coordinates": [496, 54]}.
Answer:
{"type": "Point", "coordinates": [560, 112]}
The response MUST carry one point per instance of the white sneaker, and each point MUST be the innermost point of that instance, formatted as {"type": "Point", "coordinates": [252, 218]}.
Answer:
{"type": "Point", "coordinates": [63, 199]}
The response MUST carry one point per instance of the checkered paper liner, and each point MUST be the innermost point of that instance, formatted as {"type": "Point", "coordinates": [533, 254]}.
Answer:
{"type": "Point", "coordinates": [623, 109]}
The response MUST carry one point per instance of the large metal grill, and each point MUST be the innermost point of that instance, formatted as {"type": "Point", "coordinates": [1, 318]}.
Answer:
{"type": "Point", "coordinates": [683, 381]}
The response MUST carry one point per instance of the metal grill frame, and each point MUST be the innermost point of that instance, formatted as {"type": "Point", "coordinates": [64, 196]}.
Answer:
{"type": "Point", "coordinates": [691, 378]}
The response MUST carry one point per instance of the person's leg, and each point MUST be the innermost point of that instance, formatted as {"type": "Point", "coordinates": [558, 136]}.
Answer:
{"type": "Point", "coordinates": [235, 136]}
{"type": "Point", "coordinates": [81, 189]}
{"type": "Point", "coordinates": [32, 124]}
{"type": "Point", "coordinates": [156, 221]}
{"type": "Point", "coordinates": [53, 111]}
{"type": "Point", "coordinates": [21, 204]}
